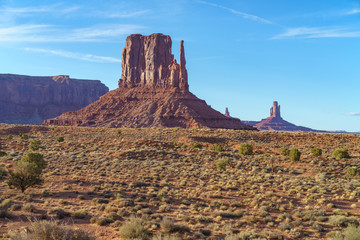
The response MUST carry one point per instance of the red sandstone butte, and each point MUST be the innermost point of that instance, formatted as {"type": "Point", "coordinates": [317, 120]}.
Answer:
{"type": "Point", "coordinates": [276, 123]}
{"type": "Point", "coordinates": [153, 92]}
{"type": "Point", "coordinates": [31, 100]}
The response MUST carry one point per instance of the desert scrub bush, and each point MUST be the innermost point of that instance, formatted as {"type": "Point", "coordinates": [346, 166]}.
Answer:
{"type": "Point", "coordinates": [80, 214]}
{"type": "Point", "coordinates": [3, 173]}
{"type": "Point", "coordinates": [50, 230]}
{"type": "Point", "coordinates": [60, 139]}
{"type": "Point", "coordinates": [165, 237]}
{"type": "Point", "coordinates": [342, 221]}
{"type": "Point", "coordinates": [316, 152]}
{"type": "Point", "coordinates": [27, 172]}
{"type": "Point", "coordinates": [246, 149]}
{"type": "Point", "coordinates": [350, 171]}
{"type": "Point", "coordinates": [23, 136]}
{"type": "Point", "coordinates": [217, 148]}
{"type": "Point", "coordinates": [4, 207]}
{"type": "Point", "coordinates": [197, 146]}
{"type": "Point", "coordinates": [285, 152]}
{"type": "Point", "coordinates": [168, 226]}
{"type": "Point", "coordinates": [2, 154]}
{"type": "Point", "coordinates": [295, 155]}
{"type": "Point", "coordinates": [134, 229]}
{"type": "Point", "coordinates": [222, 163]}
{"type": "Point", "coordinates": [34, 145]}
{"type": "Point", "coordinates": [350, 233]}
{"type": "Point", "coordinates": [341, 153]}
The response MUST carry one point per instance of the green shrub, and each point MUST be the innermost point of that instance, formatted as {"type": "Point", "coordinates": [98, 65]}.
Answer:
{"type": "Point", "coordinates": [165, 237]}
{"type": "Point", "coordinates": [316, 152]}
{"type": "Point", "coordinates": [197, 145]}
{"type": "Point", "coordinates": [50, 230]}
{"type": "Point", "coordinates": [27, 172]}
{"type": "Point", "coordinates": [134, 229]}
{"type": "Point", "coordinates": [222, 163]}
{"type": "Point", "coordinates": [9, 137]}
{"type": "Point", "coordinates": [168, 226]}
{"type": "Point", "coordinates": [2, 154]}
{"type": "Point", "coordinates": [4, 206]}
{"type": "Point", "coordinates": [80, 214]}
{"type": "Point", "coordinates": [342, 221]}
{"type": "Point", "coordinates": [341, 153]}
{"type": "Point", "coordinates": [285, 152]}
{"type": "Point", "coordinates": [352, 171]}
{"type": "Point", "coordinates": [217, 148]}
{"type": "Point", "coordinates": [3, 173]}
{"type": "Point", "coordinates": [295, 155]}
{"type": "Point", "coordinates": [34, 145]}
{"type": "Point", "coordinates": [23, 136]}
{"type": "Point", "coordinates": [350, 233]}
{"type": "Point", "coordinates": [246, 149]}
{"type": "Point", "coordinates": [60, 139]}
{"type": "Point", "coordinates": [35, 158]}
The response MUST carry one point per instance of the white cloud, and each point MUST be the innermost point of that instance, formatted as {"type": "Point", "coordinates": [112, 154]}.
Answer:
{"type": "Point", "coordinates": [75, 55]}
{"type": "Point", "coordinates": [236, 12]}
{"type": "Point", "coordinates": [353, 11]}
{"type": "Point", "coordinates": [51, 33]}
{"type": "Point", "coordinates": [124, 14]}
{"type": "Point", "coordinates": [315, 32]}
{"type": "Point", "coordinates": [39, 9]}
{"type": "Point", "coordinates": [354, 114]}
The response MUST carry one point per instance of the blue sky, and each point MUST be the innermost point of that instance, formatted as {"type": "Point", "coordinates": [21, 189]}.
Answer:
{"type": "Point", "coordinates": [240, 54]}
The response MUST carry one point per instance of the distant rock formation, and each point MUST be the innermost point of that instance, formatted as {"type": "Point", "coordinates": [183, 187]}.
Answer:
{"type": "Point", "coordinates": [276, 123]}
{"type": "Point", "coordinates": [153, 92]}
{"type": "Point", "coordinates": [227, 113]}
{"type": "Point", "coordinates": [31, 100]}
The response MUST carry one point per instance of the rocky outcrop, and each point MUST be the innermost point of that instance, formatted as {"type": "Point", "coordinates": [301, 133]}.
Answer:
{"type": "Point", "coordinates": [276, 123]}
{"type": "Point", "coordinates": [227, 113]}
{"type": "Point", "coordinates": [31, 100]}
{"type": "Point", "coordinates": [275, 110]}
{"type": "Point", "coordinates": [153, 92]}
{"type": "Point", "coordinates": [147, 61]}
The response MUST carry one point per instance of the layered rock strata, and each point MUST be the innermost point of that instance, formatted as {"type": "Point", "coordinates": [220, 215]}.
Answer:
{"type": "Point", "coordinates": [31, 100]}
{"type": "Point", "coordinates": [153, 92]}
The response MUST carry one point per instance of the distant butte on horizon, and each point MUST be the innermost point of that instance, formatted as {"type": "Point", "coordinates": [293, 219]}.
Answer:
{"type": "Point", "coordinates": [153, 92]}
{"type": "Point", "coordinates": [276, 123]}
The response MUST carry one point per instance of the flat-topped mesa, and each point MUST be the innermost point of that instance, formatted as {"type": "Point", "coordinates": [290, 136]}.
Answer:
{"type": "Point", "coordinates": [147, 61]}
{"type": "Point", "coordinates": [275, 110]}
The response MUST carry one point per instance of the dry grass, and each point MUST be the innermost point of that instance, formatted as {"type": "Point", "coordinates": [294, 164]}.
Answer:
{"type": "Point", "coordinates": [98, 179]}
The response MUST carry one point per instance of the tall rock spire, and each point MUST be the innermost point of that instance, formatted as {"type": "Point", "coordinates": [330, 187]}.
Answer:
{"type": "Point", "coordinates": [275, 110]}
{"type": "Point", "coordinates": [183, 72]}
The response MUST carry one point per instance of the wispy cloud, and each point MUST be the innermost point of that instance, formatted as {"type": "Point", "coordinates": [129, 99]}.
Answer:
{"type": "Point", "coordinates": [123, 14]}
{"type": "Point", "coordinates": [239, 13]}
{"type": "Point", "coordinates": [353, 114]}
{"type": "Point", "coordinates": [51, 33]}
{"type": "Point", "coordinates": [75, 55]}
{"type": "Point", "coordinates": [353, 11]}
{"type": "Point", "coordinates": [56, 8]}
{"type": "Point", "coordinates": [315, 32]}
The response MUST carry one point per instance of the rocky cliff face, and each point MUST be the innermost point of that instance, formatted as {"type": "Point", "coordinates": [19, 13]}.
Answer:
{"type": "Point", "coordinates": [276, 123]}
{"type": "Point", "coordinates": [31, 100]}
{"type": "Point", "coordinates": [153, 92]}
{"type": "Point", "coordinates": [147, 61]}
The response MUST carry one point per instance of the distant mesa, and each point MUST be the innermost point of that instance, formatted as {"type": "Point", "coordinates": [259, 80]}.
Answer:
{"type": "Point", "coordinates": [276, 123]}
{"type": "Point", "coordinates": [31, 100]}
{"type": "Point", "coordinates": [153, 92]}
